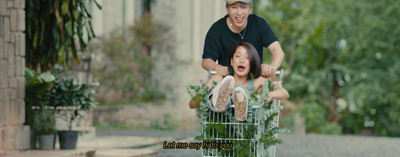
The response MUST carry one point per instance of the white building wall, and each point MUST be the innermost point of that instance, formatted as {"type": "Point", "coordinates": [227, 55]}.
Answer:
{"type": "Point", "coordinates": [14, 136]}
{"type": "Point", "coordinates": [111, 16]}
{"type": "Point", "coordinates": [190, 21]}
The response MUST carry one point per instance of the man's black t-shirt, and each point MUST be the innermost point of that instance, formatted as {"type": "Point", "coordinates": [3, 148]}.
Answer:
{"type": "Point", "coordinates": [220, 40]}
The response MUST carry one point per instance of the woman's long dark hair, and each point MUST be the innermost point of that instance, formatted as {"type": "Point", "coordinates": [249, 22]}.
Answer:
{"type": "Point", "coordinates": [255, 61]}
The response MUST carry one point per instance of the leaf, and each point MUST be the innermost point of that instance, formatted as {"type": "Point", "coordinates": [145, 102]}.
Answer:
{"type": "Point", "coordinates": [53, 23]}
{"type": "Point", "coordinates": [64, 8]}
{"type": "Point", "coordinates": [97, 4]}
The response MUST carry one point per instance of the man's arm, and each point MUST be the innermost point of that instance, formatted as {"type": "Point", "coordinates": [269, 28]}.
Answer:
{"type": "Point", "coordinates": [276, 60]}
{"type": "Point", "coordinates": [209, 64]}
{"type": "Point", "coordinates": [277, 54]}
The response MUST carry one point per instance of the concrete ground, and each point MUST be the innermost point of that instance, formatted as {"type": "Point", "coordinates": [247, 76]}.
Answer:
{"type": "Point", "coordinates": [322, 146]}
{"type": "Point", "coordinates": [130, 143]}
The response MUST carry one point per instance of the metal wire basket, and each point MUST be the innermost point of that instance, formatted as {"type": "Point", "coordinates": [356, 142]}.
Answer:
{"type": "Point", "coordinates": [223, 135]}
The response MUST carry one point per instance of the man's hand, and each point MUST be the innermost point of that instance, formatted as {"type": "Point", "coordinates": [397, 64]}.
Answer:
{"type": "Point", "coordinates": [222, 70]}
{"type": "Point", "coordinates": [268, 71]}
{"type": "Point", "coordinates": [209, 64]}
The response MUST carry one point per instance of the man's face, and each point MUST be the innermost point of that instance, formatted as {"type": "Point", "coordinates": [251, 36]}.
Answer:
{"type": "Point", "coordinates": [238, 14]}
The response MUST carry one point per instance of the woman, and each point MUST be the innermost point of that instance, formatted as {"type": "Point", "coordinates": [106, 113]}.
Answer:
{"type": "Point", "coordinates": [244, 65]}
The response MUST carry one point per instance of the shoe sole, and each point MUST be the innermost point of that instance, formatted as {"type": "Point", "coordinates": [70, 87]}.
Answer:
{"type": "Point", "coordinates": [240, 101]}
{"type": "Point", "coordinates": [224, 91]}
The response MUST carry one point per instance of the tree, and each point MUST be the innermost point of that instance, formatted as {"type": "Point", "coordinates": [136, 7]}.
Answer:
{"type": "Point", "coordinates": [53, 31]}
{"type": "Point", "coordinates": [341, 63]}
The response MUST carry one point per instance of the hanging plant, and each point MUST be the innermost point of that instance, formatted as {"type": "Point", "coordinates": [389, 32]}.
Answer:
{"type": "Point", "coordinates": [55, 30]}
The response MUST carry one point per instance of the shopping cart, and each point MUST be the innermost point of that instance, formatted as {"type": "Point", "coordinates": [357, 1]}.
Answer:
{"type": "Point", "coordinates": [223, 135]}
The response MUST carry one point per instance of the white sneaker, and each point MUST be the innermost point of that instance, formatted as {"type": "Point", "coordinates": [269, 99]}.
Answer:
{"type": "Point", "coordinates": [222, 92]}
{"type": "Point", "coordinates": [240, 100]}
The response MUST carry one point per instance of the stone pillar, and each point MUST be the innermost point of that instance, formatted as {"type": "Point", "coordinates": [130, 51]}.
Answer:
{"type": "Point", "coordinates": [13, 135]}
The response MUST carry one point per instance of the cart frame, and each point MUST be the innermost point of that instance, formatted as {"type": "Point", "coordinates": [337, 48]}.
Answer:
{"type": "Point", "coordinates": [222, 129]}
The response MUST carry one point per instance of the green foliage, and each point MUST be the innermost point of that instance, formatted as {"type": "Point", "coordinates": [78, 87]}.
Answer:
{"type": "Point", "coordinates": [112, 126]}
{"type": "Point", "coordinates": [44, 121]}
{"type": "Point", "coordinates": [198, 94]}
{"type": "Point", "coordinates": [65, 93]}
{"type": "Point", "coordinates": [242, 149]}
{"type": "Point", "coordinates": [36, 84]}
{"type": "Point", "coordinates": [151, 93]}
{"type": "Point", "coordinates": [70, 97]}
{"type": "Point", "coordinates": [149, 33]}
{"type": "Point", "coordinates": [251, 132]}
{"type": "Point", "coordinates": [35, 87]}
{"type": "Point", "coordinates": [117, 103]}
{"type": "Point", "coordinates": [129, 60]}
{"type": "Point", "coordinates": [125, 72]}
{"type": "Point", "coordinates": [54, 29]}
{"type": "Point", "coordinates": [315, 117]}
{"type": "Point", "coordinates": [168, 123]}
{"type": "Point", "coordinates": [341, 62]}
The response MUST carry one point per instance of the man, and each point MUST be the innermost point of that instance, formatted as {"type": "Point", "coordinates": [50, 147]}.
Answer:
{"type": "Point", "coordinates": [240, 25]}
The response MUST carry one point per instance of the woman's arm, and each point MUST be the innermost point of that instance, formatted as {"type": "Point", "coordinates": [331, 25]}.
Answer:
{"type": "Point", "coordinates": [217, 78]}
{"type": "Point", "coordinates": [278, 93]}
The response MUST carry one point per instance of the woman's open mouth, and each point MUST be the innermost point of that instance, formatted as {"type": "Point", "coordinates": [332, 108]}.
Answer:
{"type": "Point", "coordinates": [241, 68]}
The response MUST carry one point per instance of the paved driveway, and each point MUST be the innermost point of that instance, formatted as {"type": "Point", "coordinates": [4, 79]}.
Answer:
{"type": "Point", "coordinates": [308, 145]}
{"type": "Point", "coordinates": [337, 146]}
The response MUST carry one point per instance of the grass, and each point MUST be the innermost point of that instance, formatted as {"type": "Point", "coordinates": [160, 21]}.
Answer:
{"type": "Point", "coordinates": [154, 126]}
{"type": "Point", "coordinates": [119, 103]}
{"type": "Point", "coordinates": [126, 102]}
{"type": "Point", "coordinates": [112, 126]}
{"type": "Point", "coordinates": [167, 124]}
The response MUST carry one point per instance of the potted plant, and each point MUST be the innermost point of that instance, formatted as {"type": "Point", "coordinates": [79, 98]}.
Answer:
{"type": "Point", "coordinates": [45, 127]}
{"type": "Point", "coordinates": [69, 99]}
{"type": "Point", "coordinates": [36, 85]}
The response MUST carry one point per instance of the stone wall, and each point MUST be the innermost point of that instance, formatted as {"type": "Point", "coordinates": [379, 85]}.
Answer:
{"type": "Point", "coordinates": [13, 135]}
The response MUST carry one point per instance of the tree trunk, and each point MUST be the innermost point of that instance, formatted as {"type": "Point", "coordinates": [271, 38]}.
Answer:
{"type": "Point", "coordinates": [333, 115]}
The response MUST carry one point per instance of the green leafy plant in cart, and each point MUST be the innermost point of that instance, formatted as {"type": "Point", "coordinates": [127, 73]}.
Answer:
{"type": "Point", "coordinates": [199, 94]}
